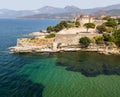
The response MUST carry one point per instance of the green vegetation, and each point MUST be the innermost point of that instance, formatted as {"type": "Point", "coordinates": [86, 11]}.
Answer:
{"type": "Point", "coordinates": [109, 29]}
{"type": "Point", "coordinates": [101, 28]}
{"type": "Point", "coordinates": [107, 37]}
{"type": "Point", "coordinates": [99, 40]}
{"type": "Point", "coordinates": [50, 35]}
{"type": "Point", "coordinates": [41, 31]}
{"type": "Point", "coordinates": [77, 23]}
{"type": "Point", "coordinates": [89, 25]}
{"type": "Point", "coordinates": [49, 29]}
{"type": "Point", "coordinates": [116, 36]}
{"type": "Point", "coordinates": [111, 23]}
{"type": "Point", "coordinates": [85, 41]}
{"type": "Point", "coordinates": [118, 20]}
{"type": "Point", "coordinates": [32, 38]}
{"type": "Point", "coordinates": [60, 26]}
{"type": "Point", "coordinates": [106, 18]}
{"type": "Point", "coordinates": [108, 26]}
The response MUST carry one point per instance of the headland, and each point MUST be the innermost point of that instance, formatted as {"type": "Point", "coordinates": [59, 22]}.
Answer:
{"type": "Point", "coordinates": [85, 33]}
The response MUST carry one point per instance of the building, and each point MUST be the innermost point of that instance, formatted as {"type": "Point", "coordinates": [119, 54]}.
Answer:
{"type": "Point", "coordinates": [89, 19]}
{"type": "Point", "coordinates": [84, 19]}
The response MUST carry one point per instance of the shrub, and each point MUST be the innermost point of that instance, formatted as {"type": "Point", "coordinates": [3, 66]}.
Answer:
{"type": "Point", "coordinates": [99, 39]}
{"type": "Point", "coordinates": [49, 29]}
{"type": "Point", "coordinates": [77, 23]}
{"type": "Point", "coordinates": [116, 36]}
{"type": "Point", "coordinates": [41, 31]}
{"type": "Point", "coordinates": [118, 20]}
{"type": "Point", "coordinates": [106, 18]}
{"type": "Point", "coordinates": [107, 37]}
{"type": "Point", "coordinates": [111, 23]}
{"type": "Point", "coordinates": [109, 29]}
{"type": "Point", "coordinates": [60, 26]}
{"type": "Point", "coordinates": [101, 28]}
{"type": "Point", "coordinates": [85, 41]}
{"type": "Point", "coordinates": [50, 35]}
{"type": "Point", "coordinates": [32, 38]}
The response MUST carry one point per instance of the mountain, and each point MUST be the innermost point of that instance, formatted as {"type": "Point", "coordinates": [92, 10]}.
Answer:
{"type": "Point", "coordinates": [70, 9]}
{"type": "Point", "coordinates": [116, 6]}
{"type": "Point", "coordinates": [55, 12]}
{"type": "Point", "coordinates": [49, 10]}
{"type": "Point", "coordinates": [113, 11]}
{"type": "Point", "coordinates": [107, 8]}
{"type": "Point", "coordinates": [6, 13]}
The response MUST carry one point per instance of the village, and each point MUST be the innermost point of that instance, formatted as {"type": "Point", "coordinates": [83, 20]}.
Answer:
{"type": "Point", "coordinates": [84, 33]}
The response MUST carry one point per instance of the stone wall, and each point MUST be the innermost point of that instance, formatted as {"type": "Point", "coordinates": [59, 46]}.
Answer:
{"type": "Point", "coordinates": [71, 39]}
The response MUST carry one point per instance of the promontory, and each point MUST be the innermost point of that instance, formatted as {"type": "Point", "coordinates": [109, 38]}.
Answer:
{"type": "Point", "coordinates": [84, 33]}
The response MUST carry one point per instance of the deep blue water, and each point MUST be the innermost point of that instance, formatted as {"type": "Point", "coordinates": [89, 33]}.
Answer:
{"type": "Point", "coordinates": [11, 29]}
{"type": "Point", "coordinates": [12, 85]}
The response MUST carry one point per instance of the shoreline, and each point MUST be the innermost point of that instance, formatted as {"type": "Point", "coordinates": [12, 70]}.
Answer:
{"type": "Point", "coordinates": [34, 49]}
{"type": "Point", "coordinates": [62, 42]}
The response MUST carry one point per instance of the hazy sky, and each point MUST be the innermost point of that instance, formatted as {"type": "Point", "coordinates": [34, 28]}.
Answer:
{"type": "Point", "coordinates": [35, 4]}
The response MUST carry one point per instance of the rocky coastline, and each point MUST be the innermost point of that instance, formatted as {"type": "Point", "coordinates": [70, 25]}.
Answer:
{"type": "Point", "coordinates": [61, 42]}
{"type": "Point", "coordinates": [44, 48]}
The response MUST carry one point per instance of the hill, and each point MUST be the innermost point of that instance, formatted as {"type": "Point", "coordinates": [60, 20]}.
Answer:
{"type": "Point", "coordinates": [55, 12]}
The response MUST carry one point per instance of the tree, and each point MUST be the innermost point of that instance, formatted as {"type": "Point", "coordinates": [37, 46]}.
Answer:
{"type": "Point", "coordinates": [107, 37]}
{"type": "Point", "coordinates": [101, 28]}
{"type": "Point", "coordinates": [89, 25]}
{"type": "Point", "coordinates": [77, 23]}
{"type": "Point", "coordinates": [49, 29]}
{"type": "Point", "coordinates": [116, 36]}
{"type": "Point", "coordinates": [85, 41]}
{"type": "Point", "coordinates": [111, 23]}
{"type": "Point", "coordinates": [60, 26]}
{"type": "Point", "coordinates": [106, 18]}
{"type": "Point", "coordinates": [118, 20]}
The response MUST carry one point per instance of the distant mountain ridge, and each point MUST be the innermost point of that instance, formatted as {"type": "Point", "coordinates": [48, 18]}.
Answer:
{"type": "Point", "coordinates": [58, 12]}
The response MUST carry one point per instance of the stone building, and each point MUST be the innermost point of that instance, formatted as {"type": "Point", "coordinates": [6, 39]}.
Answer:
{"type": "Point", "coordinates": [89, 19]}
{"type": "Point", "coordinates": [84, 19]}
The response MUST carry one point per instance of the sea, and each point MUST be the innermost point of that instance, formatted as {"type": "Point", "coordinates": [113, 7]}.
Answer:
{"type": "Point", "coordinates": [64, 74]}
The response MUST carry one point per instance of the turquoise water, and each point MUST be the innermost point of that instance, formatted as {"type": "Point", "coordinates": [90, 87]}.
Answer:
{"type": "Point", "coordinates": [59, 82]}
{"type": "Point", "coordinates": [65, 74]}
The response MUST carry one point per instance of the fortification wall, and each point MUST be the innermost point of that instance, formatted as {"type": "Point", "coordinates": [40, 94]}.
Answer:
{"type": "Point", "coordinates": [71, 39]}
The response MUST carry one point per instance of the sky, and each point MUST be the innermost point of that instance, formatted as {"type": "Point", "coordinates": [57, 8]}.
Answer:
{"type": "Point", "coordinates": [36, 4]}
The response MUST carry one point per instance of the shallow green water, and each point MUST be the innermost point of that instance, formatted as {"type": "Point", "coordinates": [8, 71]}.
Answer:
{"type": "Point", "coordinates": [59, 82]}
